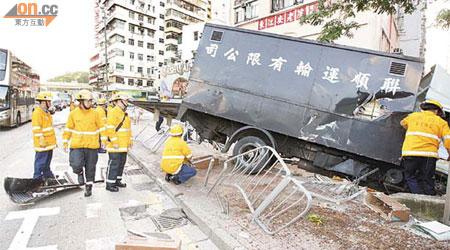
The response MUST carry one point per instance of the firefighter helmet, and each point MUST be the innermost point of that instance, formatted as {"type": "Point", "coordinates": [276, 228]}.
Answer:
{"type": "Point", "coordinates": [84, 95]}
{"type": "Point", "coordinates": [44, 96]}
{"type": "Point", "coordinates": [101, 101]}
{"type": "Point", "coordinates": [434, 103]}
{"type": "Point", "coordinates": [176, 130]}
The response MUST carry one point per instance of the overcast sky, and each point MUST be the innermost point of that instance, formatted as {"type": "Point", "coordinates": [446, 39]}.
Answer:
{"type": "Point", "coordinates": [68, 42]}
{"type": "Point", "coordinates": [64, 46]}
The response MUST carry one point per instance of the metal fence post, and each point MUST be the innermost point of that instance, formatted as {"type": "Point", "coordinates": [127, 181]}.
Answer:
{"type": "Point", "coordinates": [447, 200]}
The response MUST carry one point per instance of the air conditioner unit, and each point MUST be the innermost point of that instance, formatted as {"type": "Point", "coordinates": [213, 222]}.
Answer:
{"type": "Point", "coordinates": [397, 51]}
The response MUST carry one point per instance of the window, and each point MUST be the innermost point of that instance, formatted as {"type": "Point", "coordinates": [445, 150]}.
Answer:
{"type": "Point", "coordinates": [131, 14]}
{"type": "Point", "coordinates": [283, 4]}
{"type": "Point", "coordinates": [140, 44]}
{"type": "Point", "coordinates": [139, 70]}
{"type": "Point", "coordinates": [141, 4]}
{"type": "Point", "coordinates": [151, 33]}
{"type": "Point", "coordinates": [161, 40]}
{"type": "Point", "coordinates": [131, 28]}
{"type": "Point", "coordinates": [149, 7]}
{"type": "Point", "coordinates": [151, 20]}
{"type": "Point", "coordinates": [130, 82]}
{"type": "Point", "coordinates": [132, 2]}
{"type": "Point", "coordinates": [139, 82]}
{"type": "Point", "coordinates": [119, 80]}
{"type": "Point", "coordinates": [161, 16]}
{"type": "Point", "coordinates": [118, 38]}
{"type": "Point", "coordinates": [130, 41]}
{"type": "Point", "coordinates": [141, 17]}
{"type": "Point", "coordinates": [119, 24]}
{"type": "Point", "coordinates": [153, 9]}
{"type": "Point", "coordinates": [161, 4]}
{"type": "Point", "coordinates": [149, 71]}
{"type": "Point", "coordinates": [150, 58]}
{"type": "Point", "coordinates": [161, 28]}
{"type": "Point", "coordinates": [195, 35]}
{"type": "Point", "coordinates": [149, 83]}
{"type": "Point", "coordinates": [131, 68]}
{"type": "Point", "coordinates": [140, 57]}
{"type": "Point", "coordinates": [120, 66]}
{"type": "Point", "coordinates": [161, 52]}
{"type": "Point", "coordinates": [131, 55]}
{"type": "Point", "coordinates": [150, 46]}
{"type": "Point", "coordinates": [161, 64]}
{"type": "Point", "coordinates": [118, 52]}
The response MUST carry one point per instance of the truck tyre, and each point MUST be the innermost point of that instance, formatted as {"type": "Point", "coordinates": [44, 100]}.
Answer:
{"type": "Point", "coordinates": [246, 144]}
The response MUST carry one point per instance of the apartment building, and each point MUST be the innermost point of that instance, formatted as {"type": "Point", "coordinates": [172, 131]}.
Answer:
{"type": "Point", "coordinates": [377, 32]}
{"type": "Point", "coordinates": [180, 13]}
{"type": "Point", "coordinates": [135, 44]}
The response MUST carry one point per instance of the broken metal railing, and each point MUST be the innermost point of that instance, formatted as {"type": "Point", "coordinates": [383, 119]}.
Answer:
{"type": "Point", "coordinates": [276, 200]}
{"type": "Point", "coordinates": [159, 138]}
{"type": "Point", "coordinates": [210, 166]}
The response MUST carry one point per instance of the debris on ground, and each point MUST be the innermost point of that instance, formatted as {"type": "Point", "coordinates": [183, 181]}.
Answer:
{"type": "Point", "coordinates": [435, 229]}
{"type": "Point", "coordinates": [387, 207]}
{"type": "Point", "coordinates": [140, 243]}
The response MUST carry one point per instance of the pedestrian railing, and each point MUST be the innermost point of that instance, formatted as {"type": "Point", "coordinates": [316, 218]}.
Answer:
{"type": "Point", "coordinates": [276, 200]}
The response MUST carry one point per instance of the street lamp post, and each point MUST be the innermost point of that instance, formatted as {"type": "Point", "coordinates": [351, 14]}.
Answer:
{"type": "Point", "coordinates": [106, 53]}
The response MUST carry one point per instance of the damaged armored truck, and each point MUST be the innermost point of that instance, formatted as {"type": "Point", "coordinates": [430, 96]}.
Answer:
{"type": "Point", "coordinates": [336, 107]}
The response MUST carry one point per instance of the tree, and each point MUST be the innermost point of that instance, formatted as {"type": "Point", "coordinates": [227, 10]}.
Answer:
{"type": "Point", "coordinates": [443, 19]}
{"type": "Point", "coordinates": [80, 77]}
{"type": "Point", "coordinates": [336, 15]}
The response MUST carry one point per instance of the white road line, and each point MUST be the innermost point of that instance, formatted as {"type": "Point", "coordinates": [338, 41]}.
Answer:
{"type": "Point", "coordinates": [30, 218]}
{"type": "Point", "coordinates": [93, 209]}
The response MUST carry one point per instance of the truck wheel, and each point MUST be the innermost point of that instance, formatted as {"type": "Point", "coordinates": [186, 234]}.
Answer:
{"type": "Point", "coordinates": [246, 144]}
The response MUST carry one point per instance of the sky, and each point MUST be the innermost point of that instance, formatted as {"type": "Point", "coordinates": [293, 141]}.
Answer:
{"type": "Point", "coordinates": [68, 42]}
{"type": "Point", "coordinates": [63, 46]}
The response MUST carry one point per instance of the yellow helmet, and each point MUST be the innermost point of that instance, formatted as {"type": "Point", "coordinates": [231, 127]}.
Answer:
{"type": "Point", "coordinates": [433, 102]}
{"type": "Point", "coordinates": [84, 95]}
{"type": "Point", "coordinates": [122, 96]}
{"type": "Point", "coordinates": [114, 97]}
{"type": "Point", "coordinates": [44, 96]}
{"type": "Point", "coordinates": [101, 101]}
{"type": "Point", "coordinates": [176, 130]}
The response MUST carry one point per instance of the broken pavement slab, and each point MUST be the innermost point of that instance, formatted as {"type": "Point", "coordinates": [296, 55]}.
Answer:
{"type": "Point", "coordinates": [387, 207]}
{"type": "Point", "coordinates": [424, 206]}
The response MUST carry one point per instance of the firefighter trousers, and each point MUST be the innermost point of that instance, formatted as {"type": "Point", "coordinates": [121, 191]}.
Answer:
{"type": "Point", "coordinates": [42, 162]}
{"type": "Point", "coordinates": [419, 173]}
{"type": "Point", "coordinates": [86, 158]}
{"type": "Point", "coordinates": [116, 165]}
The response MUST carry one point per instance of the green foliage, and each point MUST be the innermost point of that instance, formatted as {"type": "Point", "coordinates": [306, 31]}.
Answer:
{"type": "Point", "coordinates": [335, 16]}
{"type": "Point", "coordinates": [80, 77]}
{"type": "Point", "coordinates": [443, 19]}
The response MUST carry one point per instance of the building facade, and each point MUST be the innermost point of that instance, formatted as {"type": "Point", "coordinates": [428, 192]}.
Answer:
{"type": "Point", "coordinates": [135, 44]}
{"type": "Point", "coordinates": [376, 32]}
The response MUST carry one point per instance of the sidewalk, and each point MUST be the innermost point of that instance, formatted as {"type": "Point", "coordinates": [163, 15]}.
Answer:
{"type": "Point", "coordinates": [345, 226]}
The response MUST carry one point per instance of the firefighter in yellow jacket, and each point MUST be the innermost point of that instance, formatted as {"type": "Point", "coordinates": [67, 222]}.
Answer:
{"type": "Point", "coordinates": [43, 136]}
{"type": "Point", "coordinates": [424, 131]}
{"type": "Point", "coordinates": [175, 156]}
{"type": "Point", "coordinates": [119, 134]}
{"type": "Point", "coordinates": [82, 129]}
{"type": "Point", "coordinates": [101, 110]}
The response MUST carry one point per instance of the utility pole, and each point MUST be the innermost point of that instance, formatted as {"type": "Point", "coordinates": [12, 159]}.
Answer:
{"type": "Point", "coordinates": [106, 52]}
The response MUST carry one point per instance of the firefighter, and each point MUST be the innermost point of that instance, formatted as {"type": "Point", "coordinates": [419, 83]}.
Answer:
{"type": "Point", "coordinates": [112, 103]}
{"type": "Point", "coordinates": [424, 130]}
{"type": "Point", "coordinates": [82, 128]}
{"type": "Point", "coordinates": [101, 110]}
{"type": "Point", "coordinates": [175, 157]}
{"type": "Point", "coordinates": [43, 136]}
{"type": "Point", "coordinates": [119, 134]}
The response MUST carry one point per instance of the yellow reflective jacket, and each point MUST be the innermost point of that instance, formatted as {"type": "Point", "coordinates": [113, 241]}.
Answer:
{"type": "Point", "coordinates": [83, 128]}
{"type": "Point", "coordinates": [42, 123]}
{"type": "Point", "coordinates": [424, 130]}
{"type": "Point", "coordinates": [175, 152]}
{"type": "Point", "coordinates": [123, 136]}
{"type": "Point", "coordinates": [102, 112]}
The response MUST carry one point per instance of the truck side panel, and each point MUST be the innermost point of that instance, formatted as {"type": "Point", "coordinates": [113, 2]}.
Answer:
{"type": "Point", "coordinates": [340, 97]}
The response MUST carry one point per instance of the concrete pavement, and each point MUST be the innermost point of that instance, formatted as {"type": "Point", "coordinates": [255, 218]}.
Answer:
{"type": "Point", "coordinates": [69, 220]}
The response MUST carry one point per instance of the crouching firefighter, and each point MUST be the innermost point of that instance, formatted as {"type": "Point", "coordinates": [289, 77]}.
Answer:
{"type": "Point", "coordinates": [424, 131]}
{"type": "Point", "coordinates": [175, 157]}
{"type": "Point", "coordinates": [82, 129]}
{"type": "Point", "coordinates": [119, 134]}
{"type": "Point", "coordinates": [43, 136]}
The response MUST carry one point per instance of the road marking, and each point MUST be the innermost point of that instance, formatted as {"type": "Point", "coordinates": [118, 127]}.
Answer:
{"type": "Point", "coordinates": [30, 218]}
{"type": "Point", "coordinates": [92, 210]}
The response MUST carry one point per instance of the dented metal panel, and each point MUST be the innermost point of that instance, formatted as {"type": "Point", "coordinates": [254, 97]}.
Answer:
{"type": "Point", "coordinates": [336, 96]}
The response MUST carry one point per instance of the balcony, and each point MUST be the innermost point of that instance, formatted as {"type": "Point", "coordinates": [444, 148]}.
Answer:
{"type": "Point", "coordinates": [172, 41]}
{"type": "Point", "coordinates": [173, 29]}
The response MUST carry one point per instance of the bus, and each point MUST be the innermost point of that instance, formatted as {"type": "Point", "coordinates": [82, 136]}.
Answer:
{"type": "Point", "coordinates": [18, 88]}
